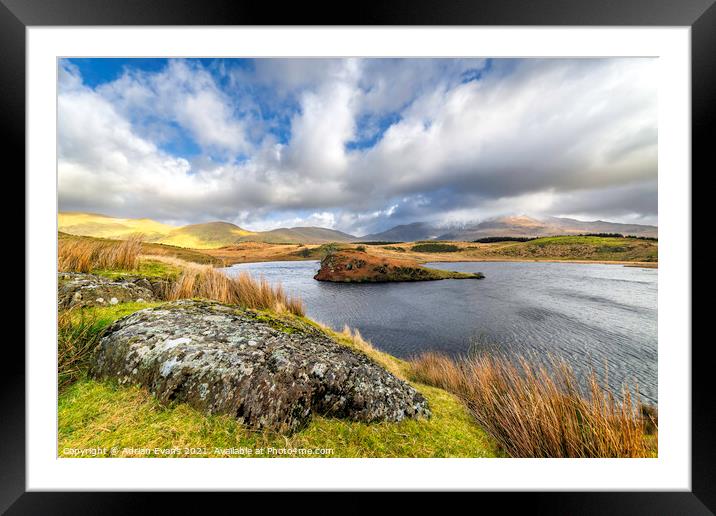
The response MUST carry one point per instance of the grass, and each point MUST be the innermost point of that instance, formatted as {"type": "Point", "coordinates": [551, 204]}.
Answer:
{"type": "Point", "coordinates": [147, 267]}
{"type": "Point", "coordinates": [78, 333]}
{"type": "Point", "coordinates": [580, 240]}
{"type": "Point", "coordinates": [100, 414]}
{"type": "Point", "coordinates": [147, 248]}
{"type": "Point", "coordinates": [85, 255]}
{"type": "Point", "coordinates": [434, 248]}
{"type": "Point", "coordinates": [95, 414]}
{"type": "Point", "coordinates": [539, 411]}
{"type": "Point", "coordinates": [242, 290]}
{"type": "Point", "coordinates": [581, 247]}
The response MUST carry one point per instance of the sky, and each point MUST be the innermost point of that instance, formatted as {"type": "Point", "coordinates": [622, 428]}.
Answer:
{"type": "Point", "coordinates": [358, 145]}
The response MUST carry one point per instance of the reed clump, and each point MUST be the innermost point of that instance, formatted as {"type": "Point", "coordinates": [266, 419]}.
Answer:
{"type": "Point", "coordinates": [243, 290]}
{"type": "Point", "coordinates": [85, 255]}
{"type": "Point", "coordinates": [539, 410]}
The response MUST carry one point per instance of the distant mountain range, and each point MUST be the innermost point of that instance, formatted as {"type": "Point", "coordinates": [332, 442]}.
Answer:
{"type": "Point", "coordinates": [218, 234]}
{"type": "Point", "coordinates": [198, 236]}
{"type": "Point", "coordinates": [513, 226]}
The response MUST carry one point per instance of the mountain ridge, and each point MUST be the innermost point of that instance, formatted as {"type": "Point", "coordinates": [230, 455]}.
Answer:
{"type": "Point", "coordinates": [211, 235]}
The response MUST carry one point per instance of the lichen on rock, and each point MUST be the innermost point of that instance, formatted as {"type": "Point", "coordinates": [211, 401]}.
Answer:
{"type": "Point", "coordinates": [79, 289]}
{"type": "Point", "coordinates": [223, 360]}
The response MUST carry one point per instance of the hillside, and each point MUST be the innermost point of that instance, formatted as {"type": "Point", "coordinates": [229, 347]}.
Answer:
{"type": "Point", "coordinates": [102, 226]}
{"type": "Point", "coordinates": [300, 235]}
{"type": "Point", "coordinates": [523, 226]}
{"type": "Point", "coordinates": [510, 225]}
{"type": "Point", "coordinates": [404, 233]}
{"type": "Point", "coordinates": [209, 235]}
{"type": "Point", "coordinates": [559, 248]}
{"type": "Point", "coordinates": [214, 235]}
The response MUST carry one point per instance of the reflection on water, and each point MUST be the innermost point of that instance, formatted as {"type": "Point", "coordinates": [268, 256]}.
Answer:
{"type": "Point", "coordinates": [600, 316]}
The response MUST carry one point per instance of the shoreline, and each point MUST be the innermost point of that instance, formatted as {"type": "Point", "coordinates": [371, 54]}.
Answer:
{"type": "Point", "coordinates": [645, 265]}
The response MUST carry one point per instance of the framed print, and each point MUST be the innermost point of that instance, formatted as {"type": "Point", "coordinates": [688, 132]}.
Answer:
{"type": "Point", "coordinates": [419, 247]}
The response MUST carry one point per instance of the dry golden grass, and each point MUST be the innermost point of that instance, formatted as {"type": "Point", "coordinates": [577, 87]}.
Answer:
{"type": "Point", "coordinates": [357, 340]}
{"type": "Point", "coordinates": [242, 290]}
{"type": "Point", "coordinates": [84, 255]}
{"type": "Point", "coordinates": [539, 411]}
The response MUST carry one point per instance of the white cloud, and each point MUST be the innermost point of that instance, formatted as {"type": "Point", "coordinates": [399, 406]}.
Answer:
{"type": "Point", "coordinates": [548, 136]}
{"type": "Point", "coordinates": [183, 94]}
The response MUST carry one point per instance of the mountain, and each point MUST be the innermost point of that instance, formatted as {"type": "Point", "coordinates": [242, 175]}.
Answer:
{"type": "Point", "coordinates": [300, 235]}
{"type": "Point", "coordinates": [207, 235]}
{"type": "Point", "coordinates": [102, 226]}
{"type": "Point", "coordinates": [523, 226]}
{"type": "Point", "coordinates": [510, 225]}
{"type": "Point", "coordinates": [210, 235]}
{"type": "Point", "coordinates": [405, 233]}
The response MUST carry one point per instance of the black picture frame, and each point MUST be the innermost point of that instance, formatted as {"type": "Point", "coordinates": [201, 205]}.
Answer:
{"type": "Point", "coordinates": [700, 15]}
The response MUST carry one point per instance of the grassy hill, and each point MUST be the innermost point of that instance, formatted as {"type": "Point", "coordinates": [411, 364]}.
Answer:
{"type": "Point", "coordinates": [102, 226]}
{"type": "Point", "coordinates": [560, 248]}
{"type": "Point", "coordinates": [209, 235]}
{"type": "Point", "coordinates": [301, 235]}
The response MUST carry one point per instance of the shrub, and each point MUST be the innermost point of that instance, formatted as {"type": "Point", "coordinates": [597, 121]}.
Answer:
{"type": "Point", "coordinates": [495, 239]}
{"type": "Point", "coordinates": [539, 411]}
{"type": "Point", "coordinates": [360, 248]}
{"type": "Point", "coordinates": [435, 248]}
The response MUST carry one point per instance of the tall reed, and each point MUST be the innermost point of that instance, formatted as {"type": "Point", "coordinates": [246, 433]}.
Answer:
{"type": "Point", "coordinates": [536, 410]}
{"type": "Point", "coordinates": [84, 255]}
{"type": "Point", "coordinates": [242, 290]}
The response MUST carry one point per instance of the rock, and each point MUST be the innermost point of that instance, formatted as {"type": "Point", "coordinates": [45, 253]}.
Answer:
{"type": "Point", "coordinates": [77, 289]}
{"type": "Point", "coordinates": [158, 286]}
{"type": "Point", "coordinates": [266, 372]}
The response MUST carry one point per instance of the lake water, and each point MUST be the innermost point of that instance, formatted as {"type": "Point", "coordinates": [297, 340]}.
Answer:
{"type": "Point", "coordinates": [598, 316]}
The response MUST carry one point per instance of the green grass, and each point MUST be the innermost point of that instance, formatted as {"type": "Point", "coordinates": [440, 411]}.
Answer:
{"type": "Point", "coordinates": [434, 248]}
{"type": "Point", "coordinates": [581, 248]}
{"type": "Point", "coordinates": [106, 315]}
{"type": "Point", "coordinates": [147, 268]}
{"type": "Point", "coordinates": [582, 240]}
{"type": "Point", "coordinates": [101, 414]}
{"type": "Point", "coordinates": [78, 333]}
{"type": "Point", "coordinates": [96, 414]}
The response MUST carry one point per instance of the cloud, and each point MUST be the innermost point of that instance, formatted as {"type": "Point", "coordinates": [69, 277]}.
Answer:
{"type": "Point", "coordinates": [182, 94]}
{"type": "Point", "coordinates": [439, 140]}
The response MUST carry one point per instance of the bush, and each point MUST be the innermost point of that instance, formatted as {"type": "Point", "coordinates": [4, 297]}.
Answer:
{"type": "Point", "coordinates": [361, 248]}
{"type": "Point", "coordinates": [492, 240]}
{"type": "Point", "coordinates": [539, 411]}
{"type": "Point", "coordinates": [435, 248]}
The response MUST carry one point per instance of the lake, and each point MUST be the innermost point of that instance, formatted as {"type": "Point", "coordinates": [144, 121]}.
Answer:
{"type": "Point", "coordinates": [595, 316]}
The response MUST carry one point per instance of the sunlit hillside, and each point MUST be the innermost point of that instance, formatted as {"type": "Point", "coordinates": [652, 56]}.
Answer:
{"type": "Point", "coordinates": [96, 225]}
{"type": "Point", "coordinates": [205, 236]}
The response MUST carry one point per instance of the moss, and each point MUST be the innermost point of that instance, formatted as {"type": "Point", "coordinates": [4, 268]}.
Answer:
{"type": "Point", "coordinates": [147, 268]}
{"type": "Point", "coordinates": [106, 315]}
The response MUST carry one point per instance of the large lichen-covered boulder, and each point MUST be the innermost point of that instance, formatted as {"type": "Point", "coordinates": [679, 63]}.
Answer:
{"type": "Point", "coordinates": [267, 373]}
{"type": "Point", "coordinates": [78, 289]}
